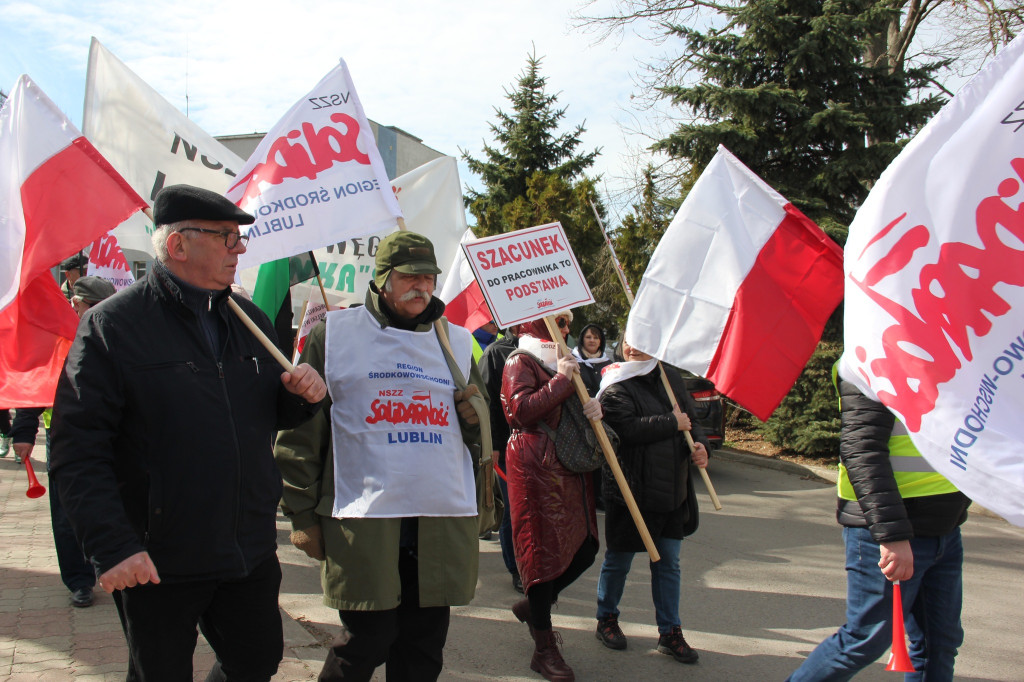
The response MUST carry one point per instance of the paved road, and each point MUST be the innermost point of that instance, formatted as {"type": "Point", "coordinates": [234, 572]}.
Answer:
{"type": "Point", "coordinates": [763, 583]}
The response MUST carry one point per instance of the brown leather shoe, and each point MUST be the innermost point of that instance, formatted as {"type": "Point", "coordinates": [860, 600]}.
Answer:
{"type": "Point", "coordinates": [547, 659]}
{"type": "Point", "coordinates": [521, 610]}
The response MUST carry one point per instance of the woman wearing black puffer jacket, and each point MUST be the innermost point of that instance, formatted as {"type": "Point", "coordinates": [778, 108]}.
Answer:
{"type": "Point", "coordinates": [655, 460]}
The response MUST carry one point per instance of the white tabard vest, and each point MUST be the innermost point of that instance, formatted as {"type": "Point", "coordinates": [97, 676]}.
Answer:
{"type": "Point", "coordinates": [398, 448]}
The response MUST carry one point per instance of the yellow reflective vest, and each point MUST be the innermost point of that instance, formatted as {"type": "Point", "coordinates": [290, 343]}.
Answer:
{"type": "Point", "coordinates": [914, 475]}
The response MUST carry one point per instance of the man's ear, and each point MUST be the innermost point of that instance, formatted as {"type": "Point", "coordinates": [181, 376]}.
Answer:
{"type": "Point", "coordinates": [176, 247]}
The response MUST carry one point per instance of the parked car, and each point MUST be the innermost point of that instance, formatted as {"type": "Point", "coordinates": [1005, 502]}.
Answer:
{"type": "Point", "coordinates": [710, 407]}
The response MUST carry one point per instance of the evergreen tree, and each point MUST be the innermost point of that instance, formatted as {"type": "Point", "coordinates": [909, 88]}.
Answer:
{"type": "Point", "coordinates": [642, 229]}
{"type": "Point", "coordinates": [534, 175]}
{"type": "Point", "coordinates": [784, 85]}
{"type": "Point", "coordinates": [785, 88]}
{"type": "Point", "coordinates": [527, 141]}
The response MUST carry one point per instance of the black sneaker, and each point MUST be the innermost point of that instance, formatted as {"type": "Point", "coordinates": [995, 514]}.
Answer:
{"type": "Point", "coordinates": [517, 583]}
{"type": "Point", "coordinates": [674, 644]}
{"type": "Point", "coordinates": [610, 634]}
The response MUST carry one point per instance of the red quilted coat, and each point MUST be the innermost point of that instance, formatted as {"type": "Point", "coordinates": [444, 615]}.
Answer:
{"type": "Point", "coordinates": [553, 509]}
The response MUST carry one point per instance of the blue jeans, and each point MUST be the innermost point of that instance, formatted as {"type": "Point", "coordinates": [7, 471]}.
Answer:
{"type": "Point", "coordinates": [932, 598]}
{"type": "Point", "coordinates": [664, 583]}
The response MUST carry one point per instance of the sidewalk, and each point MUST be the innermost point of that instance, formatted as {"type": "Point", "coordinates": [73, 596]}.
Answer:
{"type": "Point", "coordinates": [43, 637]}
{"type": "Point", "coordinates": [762, 584]}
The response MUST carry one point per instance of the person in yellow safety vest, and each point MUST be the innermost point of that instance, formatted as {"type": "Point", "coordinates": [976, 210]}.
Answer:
{"type": "Point", "coordinates": [483, 337]}
{"type": "Point", "coordinates": [901, 521]}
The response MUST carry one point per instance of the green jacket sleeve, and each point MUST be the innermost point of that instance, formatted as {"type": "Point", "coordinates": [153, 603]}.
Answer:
{"type": "Point", "coordinates": [304, 454]}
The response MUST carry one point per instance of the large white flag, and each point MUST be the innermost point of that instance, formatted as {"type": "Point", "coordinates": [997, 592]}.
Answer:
{"type": "Point", "coordinates": [150, 142]}
{"type": "Point", "coordinates": [316, 178]}
{"type": "Point", "coordinates": [431, 199]}
{"type": "Point", "coordinates": [935, 289]}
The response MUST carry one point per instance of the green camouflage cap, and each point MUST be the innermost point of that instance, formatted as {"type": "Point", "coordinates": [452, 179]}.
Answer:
{"type": "Point", "coordinates": [405, 252]}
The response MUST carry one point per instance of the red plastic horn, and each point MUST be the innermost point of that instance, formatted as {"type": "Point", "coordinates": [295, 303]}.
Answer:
{"type": "Point", "coordinates": [35, 488]}
{"type": "Point", "coordinates": [899, 659]}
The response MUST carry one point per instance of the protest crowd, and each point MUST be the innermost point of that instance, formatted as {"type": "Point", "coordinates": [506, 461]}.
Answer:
{"type": "Point", "coordinates": [397, 434]}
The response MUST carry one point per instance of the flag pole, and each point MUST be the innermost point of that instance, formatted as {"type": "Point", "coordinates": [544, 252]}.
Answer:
{"type": "Point", "coordinates": [256, 331]}
{"type": "Point", "coordinates": [615, 259]}
{"type": "Point", "coordinates": [316, 269]}
{"type": "Point", "coordinates": [664, 377]}
{"type": "Point", "coordinates": [606, 448]}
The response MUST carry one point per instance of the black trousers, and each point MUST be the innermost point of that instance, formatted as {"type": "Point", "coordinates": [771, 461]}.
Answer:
{"type": "Point", "coordinates": [543, 595]}
{"type": "Point", "coordinates": [75, 571]}
{"type": "Point", "coordinates": [239, 618]}
{"type": "Point", "coordinates": [409, 639]}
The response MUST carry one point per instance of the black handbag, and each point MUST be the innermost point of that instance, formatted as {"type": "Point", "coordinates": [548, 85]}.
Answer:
{"type": "Point", "coordinates": [576, 444]}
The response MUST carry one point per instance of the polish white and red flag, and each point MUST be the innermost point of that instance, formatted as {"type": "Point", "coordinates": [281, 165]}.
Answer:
{"type": "Point", "coordinates": [57, 195]}
{"type": "Point", "coordinates": [106, 260]}
{"type": "Point", "coordinates": [739, 288]}
{"type": "Point", "coordinates": [316, 309]}
{"type": "Point", "coordinates": [464, 303]}
{"type": "Point", "coordinates": [935, 289]}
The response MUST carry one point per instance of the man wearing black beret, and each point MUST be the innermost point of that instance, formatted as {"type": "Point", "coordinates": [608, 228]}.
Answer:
{"type": "Point", "coordinates": [165, 416]}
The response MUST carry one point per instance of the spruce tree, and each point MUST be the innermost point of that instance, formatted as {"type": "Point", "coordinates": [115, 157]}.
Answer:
{"type": "Point", "coordinates": [533, 175]}
{"type": "Point", "coordinates": [642, 229]}
{"type": "Point", "coordinates": [784, 86]}
{"type": "Point", "coordinates": [526, 142]}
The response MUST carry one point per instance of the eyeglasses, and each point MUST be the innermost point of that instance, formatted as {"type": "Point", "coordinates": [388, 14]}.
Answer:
{"type": "Point", "coordinates": [231, 239]}
{"type": "Point", "coordinates": [563, 323]}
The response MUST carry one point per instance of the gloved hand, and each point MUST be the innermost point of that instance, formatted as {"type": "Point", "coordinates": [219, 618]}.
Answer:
{"type": "Point", "coordinates": [310, 541]}
{"type": "Point", "coordinates": [467, 412]}
{"type": "Point", "coordinates": [592, 410]}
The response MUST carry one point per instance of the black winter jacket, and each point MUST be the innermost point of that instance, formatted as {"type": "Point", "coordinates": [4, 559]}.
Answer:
{"type": "Point", "coordinates": [158, 445]}
{"type": "Point", "coordinates": [654, 457]}
{"type": "Point", "coordinates": [491, 366]}
{"type": "Point", "coordinates": [879, 507]}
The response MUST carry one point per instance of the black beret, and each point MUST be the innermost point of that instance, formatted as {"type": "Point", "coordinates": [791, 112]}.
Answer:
{"type": "Point", "coordinates": [185, 202]}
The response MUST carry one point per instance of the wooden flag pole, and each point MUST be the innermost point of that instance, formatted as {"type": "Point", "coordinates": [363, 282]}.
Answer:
{"type": "Point", "coordinates": [316, 269]}
{"type": "Point", "coordinates": [606, 447]}
{"type": "Point", "coordinates": [263, 339]}
{"type": "Point", "coordinates": [664, 378]}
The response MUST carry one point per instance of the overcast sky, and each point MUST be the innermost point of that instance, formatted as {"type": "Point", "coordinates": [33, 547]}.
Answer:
{"type": "Point", "coordinates": [435, 69]}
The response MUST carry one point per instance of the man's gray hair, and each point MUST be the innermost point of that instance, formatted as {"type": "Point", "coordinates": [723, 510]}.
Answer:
{"type": "Point", "coordinates": [160, 235]}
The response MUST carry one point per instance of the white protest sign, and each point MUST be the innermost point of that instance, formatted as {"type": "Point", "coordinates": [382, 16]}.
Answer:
{"type": "Point", "coordinates": [527, 274]}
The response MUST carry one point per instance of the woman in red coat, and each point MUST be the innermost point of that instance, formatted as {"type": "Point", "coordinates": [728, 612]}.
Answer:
{"type": "Point", "coordinates": [554, 523]}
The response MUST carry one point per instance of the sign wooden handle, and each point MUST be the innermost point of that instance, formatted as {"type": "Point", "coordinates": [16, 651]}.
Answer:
{"type": "Point", "coordinates": [606, 448]}
{"type": "Point", "coordinates": [258, 333]}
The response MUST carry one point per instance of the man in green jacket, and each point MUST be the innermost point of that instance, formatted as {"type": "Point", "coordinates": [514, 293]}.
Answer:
{"type": "Point", "coordinates": [379, 486]}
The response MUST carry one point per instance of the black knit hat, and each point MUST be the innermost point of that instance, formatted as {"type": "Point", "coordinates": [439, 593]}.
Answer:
{"type": "Point", "coordinates": [185, 202]}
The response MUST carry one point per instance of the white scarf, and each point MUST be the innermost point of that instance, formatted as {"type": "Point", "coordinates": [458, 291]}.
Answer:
{"type": "Point", "coordinates": [620, 371]}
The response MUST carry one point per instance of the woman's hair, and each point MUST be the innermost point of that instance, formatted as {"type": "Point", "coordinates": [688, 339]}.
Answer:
{"type": "Point", "coordinates": [617, 356]}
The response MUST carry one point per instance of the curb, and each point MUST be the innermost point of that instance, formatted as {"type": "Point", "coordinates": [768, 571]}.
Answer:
{"type": "Point", "coordinates": [822, 474]}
